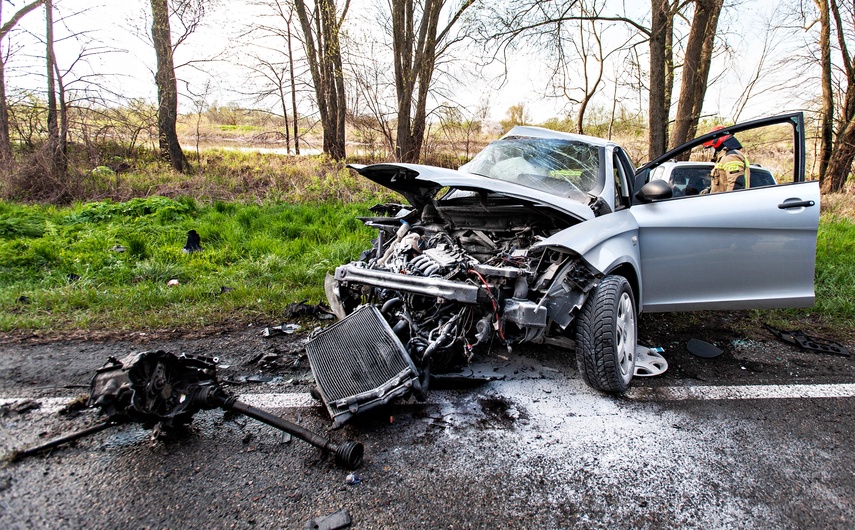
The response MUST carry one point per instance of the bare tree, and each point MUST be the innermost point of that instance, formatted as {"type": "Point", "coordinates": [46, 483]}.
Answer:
{"type": "Point", "coordinates": [827, 113]}
{"type": "Point", "coordinates": [585, 38]}
{"type": "Point", "coordinates": [696, 69]}
{"type": "Point", "coordinates": [274, 66]}
{"type": "Point", "coordinates": [534, 18]}
{"type": "Point", "coordinates": [843, 152]}
{"type": "Point", "coordinates": [57, 111]}
{"type": "Point", "coordinates": [5, 139]}
{"type": "Point", "coordinates": [167, 87]}
{"type": "Point", "coordinates": [321, 25]}
{"type": "Point", "coordinates": [372, 101]}
{"type": "Point", "coordinates": [417, 43]}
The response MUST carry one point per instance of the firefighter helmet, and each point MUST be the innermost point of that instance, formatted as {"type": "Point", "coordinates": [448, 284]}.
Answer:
{"type": "Point", "coordinates": [715, 143]}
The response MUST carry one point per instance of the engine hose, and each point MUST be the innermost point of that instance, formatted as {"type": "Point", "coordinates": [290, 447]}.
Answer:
{"type": "Point", "coordinates": [391, 304]}
{"type": "Point", "coordinates": [450, 328]}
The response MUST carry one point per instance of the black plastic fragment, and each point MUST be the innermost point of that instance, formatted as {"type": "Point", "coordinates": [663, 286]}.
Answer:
{"type": "Point", "coordinates": [806, 342]}
{"type": "Point", "coordinates": [702, 349]}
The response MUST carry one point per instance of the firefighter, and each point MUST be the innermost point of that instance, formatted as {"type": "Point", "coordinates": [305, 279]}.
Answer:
{"type": "Point", "coordinates": [731, 170]}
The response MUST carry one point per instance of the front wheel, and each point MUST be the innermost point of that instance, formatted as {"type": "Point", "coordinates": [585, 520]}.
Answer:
{"type": "Point", "coordinates": [606, 336]}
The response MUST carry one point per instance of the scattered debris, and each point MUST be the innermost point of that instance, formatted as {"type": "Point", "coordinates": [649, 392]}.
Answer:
{"type": "Point", "coordinates": [193, 243]}
{"type": "Point", "coordinates": [703, 349]}
{"type": "Point", "coordinates": [649, 362]}
{"type": "Point", "coordinates": [471, 376]}
{"type": "Point", "coordinates": [74, 406]}
{"type": "Point", "coordinates": [163, 391]}
{"type": "Point", "coordinates": [339, 520]}
{"type": "Point", "coordinates": [258, 378]}
{"type": "Point", "coordinates": [172, 283]}
{"type": "Point", "coordinates": [282, 329]}
{"type": "Point", "coordinates": [806, 342]}
{"type": "Point", "coordinates": [118, 248]}
{"type": "Point", "coordinates": [19, 407]}
{"type": "Point", "coordinates": [300, 309]}
{"type": "Point", "coordinates": [352, 479]}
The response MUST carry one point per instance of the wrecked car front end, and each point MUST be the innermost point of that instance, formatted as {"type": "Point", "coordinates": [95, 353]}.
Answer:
{"type": "Point", "coordinates": [463, 267]}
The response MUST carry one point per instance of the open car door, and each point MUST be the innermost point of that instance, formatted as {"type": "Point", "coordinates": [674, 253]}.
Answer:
{"type": "Point", "coordinates": [742, 249]}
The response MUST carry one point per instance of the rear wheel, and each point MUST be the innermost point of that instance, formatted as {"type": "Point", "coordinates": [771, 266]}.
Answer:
{"type": "Point", "coordinates": [606, 336]}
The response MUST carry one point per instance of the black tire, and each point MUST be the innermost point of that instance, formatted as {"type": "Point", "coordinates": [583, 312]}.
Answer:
{"type": "Point", "coordinates": [606, 336]}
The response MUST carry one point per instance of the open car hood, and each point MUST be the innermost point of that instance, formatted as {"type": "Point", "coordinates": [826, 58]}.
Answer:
{"type": "Point", "coordinates": [419, 184]}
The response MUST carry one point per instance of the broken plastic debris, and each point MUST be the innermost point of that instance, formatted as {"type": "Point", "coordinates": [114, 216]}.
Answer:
{"type": "Point", "coordinates": [283, 329]}
{"type": "Point", "coordinates": [299, 309]}
{"type": "Point", "coordinates": [702, 349]}
{"type": "Point", "coordinates": [806, 342]}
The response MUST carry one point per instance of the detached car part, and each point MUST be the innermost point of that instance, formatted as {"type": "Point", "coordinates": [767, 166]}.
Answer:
{"type": "Point", "coordinates": [163, 391]}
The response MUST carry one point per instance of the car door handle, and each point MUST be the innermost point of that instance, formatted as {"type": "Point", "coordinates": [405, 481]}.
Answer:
{"type": "Point", "coordinates": [796, 204]}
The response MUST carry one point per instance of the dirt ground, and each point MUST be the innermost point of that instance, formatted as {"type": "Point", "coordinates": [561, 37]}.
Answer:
{"type": "Point", "coordinates": [247, 357]}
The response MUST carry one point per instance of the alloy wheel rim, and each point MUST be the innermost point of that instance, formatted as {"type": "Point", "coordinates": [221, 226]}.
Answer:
{"type": "Point", "coordinates": [625, 335]}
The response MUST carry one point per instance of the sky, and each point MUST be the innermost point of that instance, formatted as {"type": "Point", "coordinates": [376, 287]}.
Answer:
{"type": "Point", "coordinates": [119, 25]}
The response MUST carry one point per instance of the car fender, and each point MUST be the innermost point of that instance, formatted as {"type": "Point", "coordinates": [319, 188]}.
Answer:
{"type": "Point", "coordinates": [605, 243]}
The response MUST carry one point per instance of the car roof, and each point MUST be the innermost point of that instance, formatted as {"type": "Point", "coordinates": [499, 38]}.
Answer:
{"type": "Point", "coordinates": [540, 132]}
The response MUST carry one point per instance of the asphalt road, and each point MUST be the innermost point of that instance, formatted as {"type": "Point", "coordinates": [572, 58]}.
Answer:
{"type": "Point", "coordinates": [767, 443]}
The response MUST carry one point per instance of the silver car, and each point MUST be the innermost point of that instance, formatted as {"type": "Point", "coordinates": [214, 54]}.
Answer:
{"type": "Point", "coordinates": [552, 238]}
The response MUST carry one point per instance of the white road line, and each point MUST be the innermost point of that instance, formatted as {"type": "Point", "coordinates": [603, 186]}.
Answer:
{"type": "Point", "coordinates": [702, 393]}
{"type": "Point", "coordinates": [670, 393]}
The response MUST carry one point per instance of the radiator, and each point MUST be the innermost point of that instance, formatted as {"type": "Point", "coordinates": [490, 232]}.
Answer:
{"type": "Point", "coordinates": [359, 363]}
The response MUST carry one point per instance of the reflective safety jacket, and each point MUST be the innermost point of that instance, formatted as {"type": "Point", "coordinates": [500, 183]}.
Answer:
{"type": "Point", "coordinates": [730, 164]}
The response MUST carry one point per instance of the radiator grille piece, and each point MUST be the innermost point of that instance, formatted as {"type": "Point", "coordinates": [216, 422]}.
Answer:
{"type": "Point", "coordinates": [359, 363]}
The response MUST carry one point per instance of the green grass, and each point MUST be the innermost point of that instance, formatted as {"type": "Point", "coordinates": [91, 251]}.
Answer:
{"type": "Point", "coordinates": [62, 268]}
{"type": "Point", "coordinates": [270, 255]}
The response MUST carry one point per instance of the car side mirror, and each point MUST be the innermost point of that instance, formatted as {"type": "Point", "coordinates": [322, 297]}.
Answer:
{"type": "Point", "coordinates": [655, 190]}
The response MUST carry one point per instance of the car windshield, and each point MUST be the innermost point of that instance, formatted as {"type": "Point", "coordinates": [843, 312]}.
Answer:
{"type": "Point", "coordinates": [559, 167]}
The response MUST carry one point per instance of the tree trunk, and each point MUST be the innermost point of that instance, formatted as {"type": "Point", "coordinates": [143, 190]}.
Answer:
{"type": "Point", "coordinates": [323, 52]}
{"type": "Point", "coordinates": [167, 88]}
{"type": "Point", "coordinates": [843, 152]}
{"type": "Point", "coordinates": [840, 163]}
{"type": "Point", "coordinates": [56, 144]}
{"type": "Point", "coordinates": [5, 138]}
{"type": "Point", "coordinates": [826, 127]}
{"type": "Point", "coordinates": [658, 104]}
{"type": "Point", "coordinates": [293, 93]}
{"type": "Point", "coordinates": [414, 48]}
{"type": "Point", "coordinates": [696, 68]}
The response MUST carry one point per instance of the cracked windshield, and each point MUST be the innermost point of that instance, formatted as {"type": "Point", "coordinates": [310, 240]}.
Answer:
{"type": "Point", "coordinates": [559, 167]}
